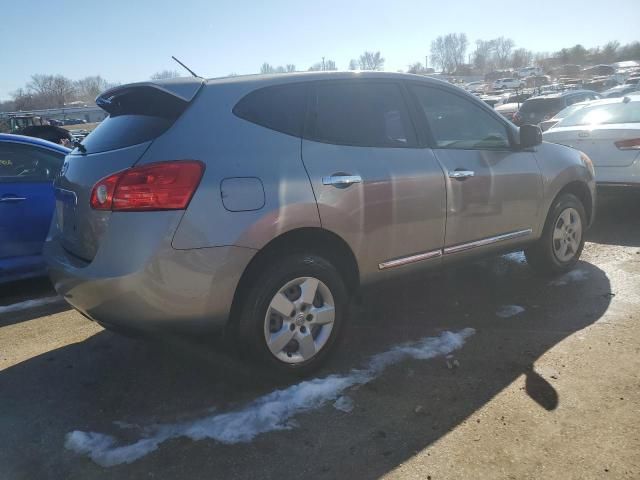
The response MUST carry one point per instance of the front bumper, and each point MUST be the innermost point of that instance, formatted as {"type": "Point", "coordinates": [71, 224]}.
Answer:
{"type": "Point", "coordinates": [138, 281]}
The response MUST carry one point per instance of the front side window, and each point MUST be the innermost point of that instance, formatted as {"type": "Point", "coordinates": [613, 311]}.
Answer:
{"type": "Point", "coordinates": [458, 123]}
{"type": "Point", "coordinates": [360, 113]}
{"type": "Point", "coordinates": [22, 163]}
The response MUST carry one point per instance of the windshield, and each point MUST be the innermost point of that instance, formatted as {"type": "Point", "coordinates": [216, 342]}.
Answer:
{"type": "Point", "coordinates": [568, 111]}
{"type": "Point", "coordinates": [623, 112]}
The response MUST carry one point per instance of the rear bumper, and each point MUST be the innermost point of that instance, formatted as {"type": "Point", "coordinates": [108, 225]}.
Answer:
{"type": "Point", "coordinates": [619, 176]}
{"type": "Point", "coordinates": [138, 281]}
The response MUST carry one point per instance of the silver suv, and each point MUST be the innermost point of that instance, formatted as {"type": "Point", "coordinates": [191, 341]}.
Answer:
{"type": "Point", "coordinates": [260, 204]}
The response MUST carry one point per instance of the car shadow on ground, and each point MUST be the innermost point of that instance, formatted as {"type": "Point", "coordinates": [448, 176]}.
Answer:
{"type": "Point", "coordinates": [108, 378]}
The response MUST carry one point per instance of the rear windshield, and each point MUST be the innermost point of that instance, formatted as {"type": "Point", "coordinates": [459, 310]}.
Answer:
{"type": "Point", "coordinates": [604, 114]}
{"type": "Point", "coordinates": [136, 115]}
{"type": "Point", "coordinates": [542, 106]}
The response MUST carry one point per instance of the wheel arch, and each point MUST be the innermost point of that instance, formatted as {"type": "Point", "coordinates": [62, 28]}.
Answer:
{"type": "Point", "coordinates": [582, 192]}
{"type": "Point", "coordinates": [308, 240]}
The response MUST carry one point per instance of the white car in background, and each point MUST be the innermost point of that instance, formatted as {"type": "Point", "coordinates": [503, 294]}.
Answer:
{"type": "Point", "coordinates": [608, 131]}
{"type": "Point", "coordinates": [507, 83]}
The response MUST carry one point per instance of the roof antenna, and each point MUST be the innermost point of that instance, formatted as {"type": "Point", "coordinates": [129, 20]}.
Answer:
{"type": "Point", "coordinates": [185, 67]}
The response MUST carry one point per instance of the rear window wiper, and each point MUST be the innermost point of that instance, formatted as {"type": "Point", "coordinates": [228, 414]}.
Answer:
{"type": "Point", "coordinates": [79, 146]}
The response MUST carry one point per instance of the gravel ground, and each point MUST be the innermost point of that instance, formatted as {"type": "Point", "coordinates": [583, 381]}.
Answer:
{"type": "Point", "coordinates": [547, 387]}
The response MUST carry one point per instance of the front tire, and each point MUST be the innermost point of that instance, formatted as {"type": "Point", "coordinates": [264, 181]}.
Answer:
{"type": "Point", "coordinates": [293, 314]}
{"type": "Point", "coordinates": [562, 241]}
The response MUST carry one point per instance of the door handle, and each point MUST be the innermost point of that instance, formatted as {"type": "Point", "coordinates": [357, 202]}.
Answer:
{"type": "Point", "coordinates": [461, 174]}
{"type": "Point", "coordinates": [341, 181]}
{"type": "Point", "coordinates": [12, 199]}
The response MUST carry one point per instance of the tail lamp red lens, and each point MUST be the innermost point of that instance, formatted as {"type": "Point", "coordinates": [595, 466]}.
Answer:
{"type": "Point", "coordinates": [156, 186]}
{"type": "Point", "coordinates": [631, 144]}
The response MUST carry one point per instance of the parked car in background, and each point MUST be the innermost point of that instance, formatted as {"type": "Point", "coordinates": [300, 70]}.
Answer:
{"type": "Point", "coordinates": [565, 112]}
{"type": "Point", "coordinates": [27, 168]}
{"type": "Point", "coordinates": [619, 91]}
{"type": "Point", "coordinates": [608, 131]}
{"type": "Point", "coordinates": [508, 83]}
{"type": "Point", "coordinates": [529, 72]}
{"type": "Point", "coordinates": [299, 189]}
{"type": "Point", "coordinates": [475, 86]}
{"type": "Point", "coordinates": [540, 108]}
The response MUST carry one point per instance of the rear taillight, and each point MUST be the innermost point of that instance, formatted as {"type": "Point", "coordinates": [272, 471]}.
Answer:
{"type": "Point", "coordinates": [157, 186]}
{"type": "Point", "coordinates": [631, 144]}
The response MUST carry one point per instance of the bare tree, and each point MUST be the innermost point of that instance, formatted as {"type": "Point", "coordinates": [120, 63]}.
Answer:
{"type": "Point", "coordinates": [371, 61]}
{"type": "Point", "coordinates": [502, 51]}
{"type": "Point", "coordinates": [325, 65]}
{"type": "Point", "coordinates": [267, 68]}
{"type": "Point", "coordinates": [353, 64]}
{"type": "Point", "coordinates": [50, 90]}
{"type": "Point", "coordinates": [521, 58]}
{"type": "Point", "coordinates": [165, 74]}
{"type": "Point", "coordinates": [483, 56]}
{"type": "Point", "coordinates": [449, 52]}
{"type": "Point", "coordinates": [416, 68]}
{"type": "Point", "coordinates": [290, 68]}
{"type": "Point", "coordinates": [89, 88]}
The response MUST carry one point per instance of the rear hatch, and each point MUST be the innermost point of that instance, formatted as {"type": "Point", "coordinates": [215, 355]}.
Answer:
{"type": "Point", "coordinates": [138, 114]}
{"type": "Point", "coordinates": [535, 110]}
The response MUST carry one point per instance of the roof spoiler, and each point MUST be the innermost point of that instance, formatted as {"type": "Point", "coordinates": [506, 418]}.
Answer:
{"type": "Point", "coordinates": [178, 90]}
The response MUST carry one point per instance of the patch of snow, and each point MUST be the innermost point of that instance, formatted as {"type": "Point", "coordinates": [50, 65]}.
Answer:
{"type": "Point", "coordinates": [572, 276]}
{"type": "Point", "coordinates": [16, 307]}
{"type": "Point", "coordinates": [517, 257]}
{"type": "Point", "coordinates": [506, 311]}
{"type": "Point", "coordinates": [270, 412]}
{"type": "Point", "coordinates": [344, 404]}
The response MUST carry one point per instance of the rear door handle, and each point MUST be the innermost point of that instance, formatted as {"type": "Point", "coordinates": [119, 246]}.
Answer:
{"type": "Point", "coordinates": [12, 199]}
{"type": "Point", "coordinates": [461, 174]}
{"type": "Point", "coordinates": [341, 181]}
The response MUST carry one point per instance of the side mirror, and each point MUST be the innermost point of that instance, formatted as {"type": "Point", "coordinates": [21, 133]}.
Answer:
{"type": "Point", "coordinates": [530, 136]}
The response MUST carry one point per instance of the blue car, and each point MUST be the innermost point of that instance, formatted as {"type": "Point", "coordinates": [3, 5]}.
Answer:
{"type": "Point", "coordinates": [28, 167]}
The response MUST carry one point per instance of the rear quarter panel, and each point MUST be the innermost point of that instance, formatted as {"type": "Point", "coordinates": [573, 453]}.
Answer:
{"type": "Point", "coordinates": [235, 148]}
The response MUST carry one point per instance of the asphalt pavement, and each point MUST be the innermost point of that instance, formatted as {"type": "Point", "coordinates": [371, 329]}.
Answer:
{"type": "Point", "coordinates": [539, 379]}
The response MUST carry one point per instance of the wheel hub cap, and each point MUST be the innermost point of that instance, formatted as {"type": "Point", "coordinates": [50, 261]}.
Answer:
{"type": "Point", "coordinates": [299, 320]}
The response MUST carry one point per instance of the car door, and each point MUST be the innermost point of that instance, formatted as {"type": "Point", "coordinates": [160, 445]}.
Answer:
{"type": "Point", "coordinates": [374, 187]}
{"type": "Point", "coordinates": [494, 191]}
{"type": "Point", "coordinates": [26, 197]}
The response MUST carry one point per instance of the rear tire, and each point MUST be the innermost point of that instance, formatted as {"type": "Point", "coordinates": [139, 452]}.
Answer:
{"type": "Point", "coordinates": [293, 313]}
{"type": "Point", "coordinates": [562, 241]}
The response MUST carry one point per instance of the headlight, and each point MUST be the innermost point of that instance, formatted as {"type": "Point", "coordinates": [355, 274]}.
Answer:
{"type": "Point", "coordinates": [588, 163]}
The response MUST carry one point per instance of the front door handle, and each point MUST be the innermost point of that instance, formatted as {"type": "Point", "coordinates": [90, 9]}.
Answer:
{"type": "Point", "coordinates": [461, 174]}
{"type": "Point", "coordinates": [341, 181]}
{"type": "Point", "coordinates": [12, 199]}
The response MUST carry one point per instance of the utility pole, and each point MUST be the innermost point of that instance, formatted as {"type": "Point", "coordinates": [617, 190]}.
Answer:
{"type": "Point", "coordinates": [323, 64]}
{"type": "Point", "coordinates": [426, 61]}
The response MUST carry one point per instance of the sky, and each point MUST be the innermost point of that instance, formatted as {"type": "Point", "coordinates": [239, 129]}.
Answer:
{"type": "Point", "coordinates": [127, 41]}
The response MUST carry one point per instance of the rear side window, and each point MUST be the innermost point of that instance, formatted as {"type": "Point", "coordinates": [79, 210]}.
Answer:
{"type": "Point", "coordinates": [26, 164]}
{"type": "Point", "coordinates": [360, 113]}
{"type": "Point", "coordinates": [136, 115]}
{"type": "Point", "coordinates": [281, 108]}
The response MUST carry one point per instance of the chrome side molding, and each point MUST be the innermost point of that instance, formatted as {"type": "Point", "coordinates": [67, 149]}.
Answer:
{"type": "Point", "coordinates": [412, 259]}
{"type": "Point", "coordinates": [455, 249]}
{"type": "Point", "coordinates": [487, 241]}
